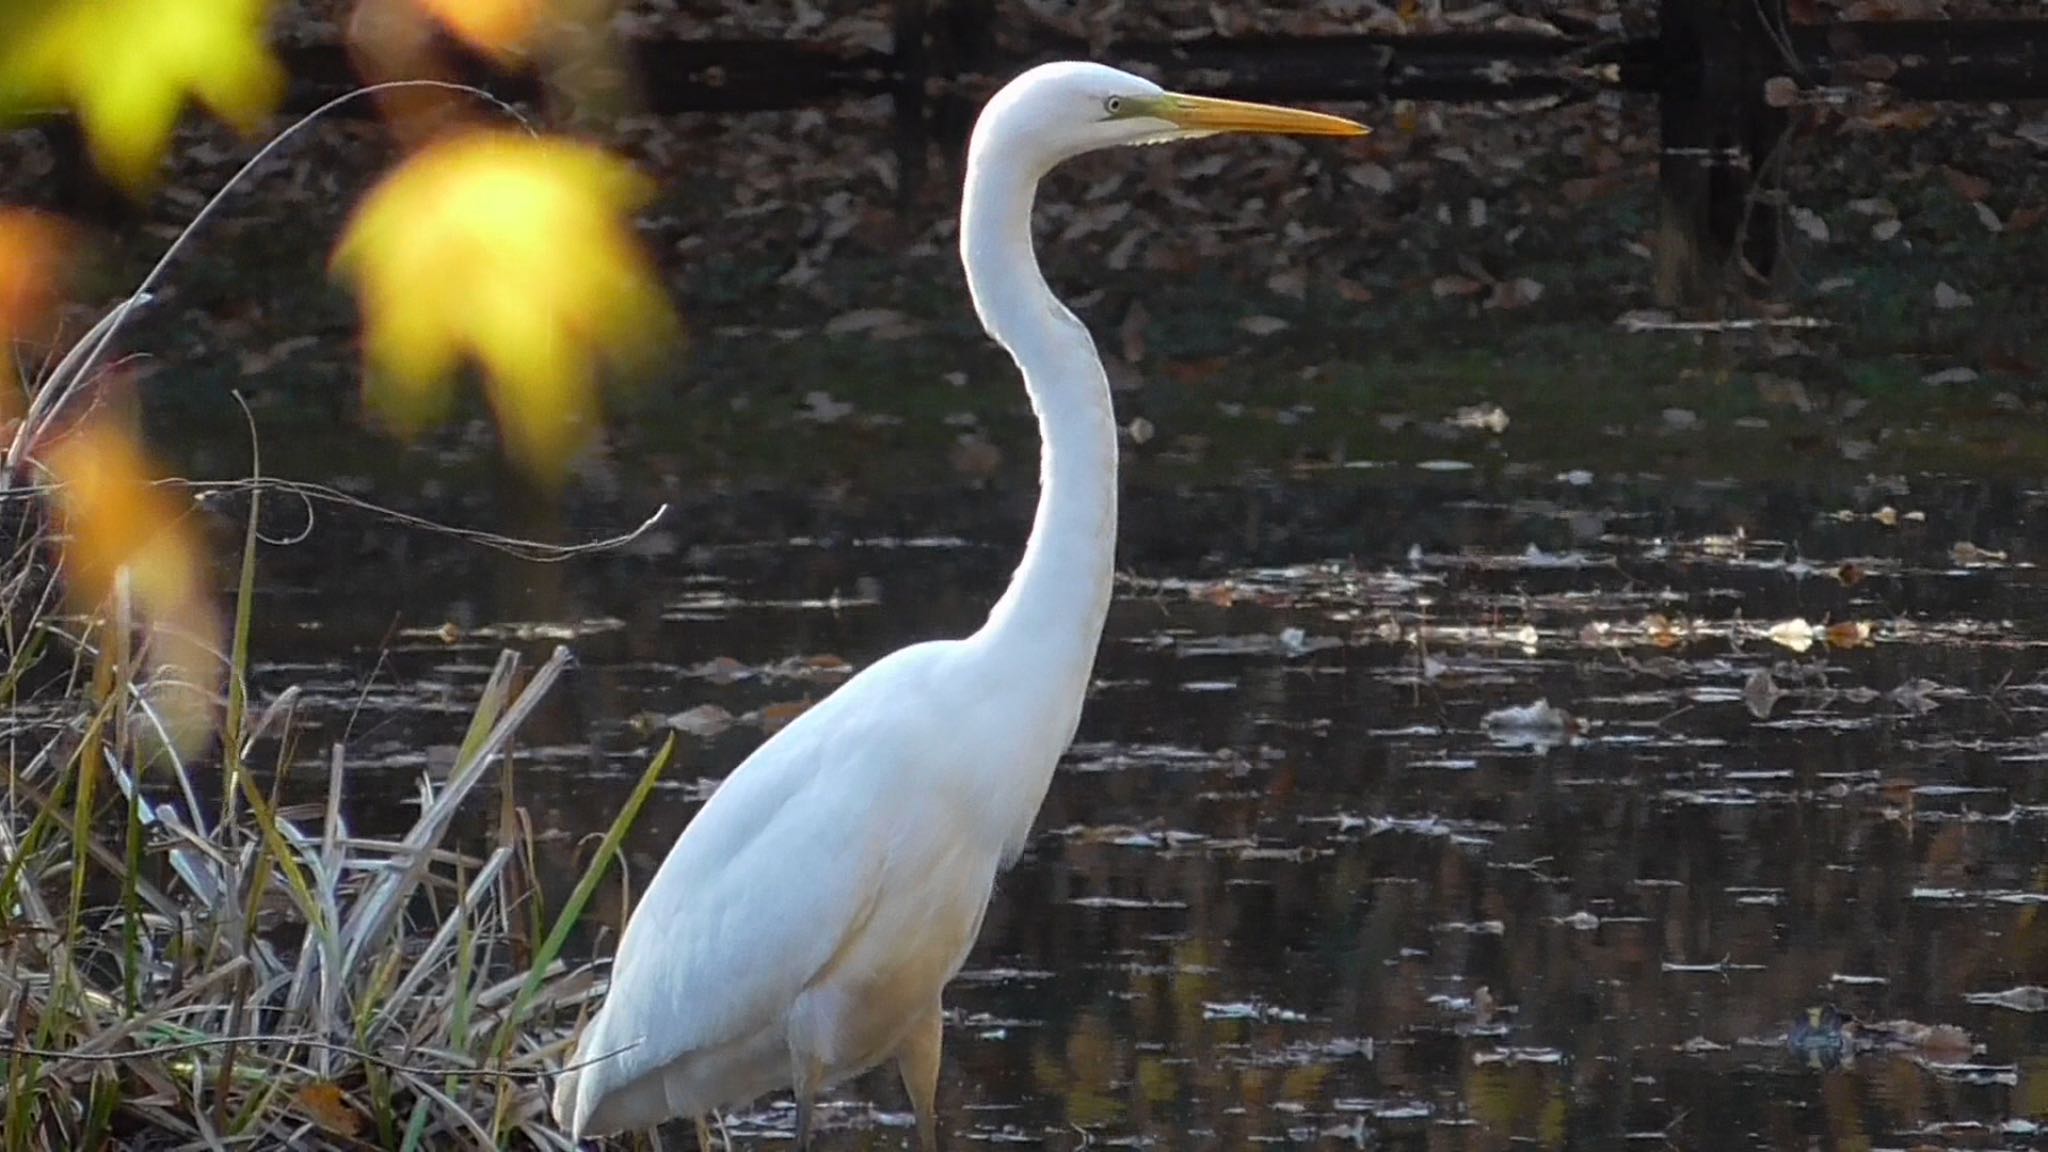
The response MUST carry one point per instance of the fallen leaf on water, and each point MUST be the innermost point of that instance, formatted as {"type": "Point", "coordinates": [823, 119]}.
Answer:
{"type": "Point", "coordinates": [821, 408]}
{"type": "Point", "coordinates": [1950, 376]}
{"type": "Point", "coordinates": [1795, 634]}
{"type": "Point", "coordinates": [2025, 998]}
{"type": "Point", "coordinates": [1916, 695]}
{"type": "Point", "coordinates": [1969, 187]}
{"type": "Point", "coordinates": [1540, 724]}
{"type": "Point", "coordinates": [1370, 176]}
{"type": "Point", "coordinates": [1965, 553]}
{"type": "Point", "coordinates": [772, 717]}
{"type": "Point", "coordinates": [703, 721]}
{"type": "Point", "coordinates": [1520, 292]}
{"type": "Point", "coordinates": [516, 252]}
{"type": "Point", "coordinates": [1810, 224]}
{"type": "Point", "coordinates": [1760, 693]}
{"type": "Point", "coordinates": [877, 323]}
{"type": "Point", "coordinates": [1662, 631]}
{"type": "Point", "coordinates": [1484, 417]}
{"type": "Point", "coordinates": [1263, 325]}
{"type": "Point", "coordinates": [1947, 296]}
{"type": "Point", "coordinates": [1848, 633]}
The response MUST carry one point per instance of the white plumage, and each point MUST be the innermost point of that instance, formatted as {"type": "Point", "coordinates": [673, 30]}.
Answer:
{"type": "Point", "coordinates": [805, 923]}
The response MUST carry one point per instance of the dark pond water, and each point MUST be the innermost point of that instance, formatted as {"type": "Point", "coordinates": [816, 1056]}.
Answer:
{"type": "Point", "coordinates": [1769, 870]}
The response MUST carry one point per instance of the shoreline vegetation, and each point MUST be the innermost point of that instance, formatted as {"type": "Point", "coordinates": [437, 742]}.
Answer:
{"type": "Point", "coordinates": [187, 959]}
{"type": "Point", "coordinates": [179, 972]}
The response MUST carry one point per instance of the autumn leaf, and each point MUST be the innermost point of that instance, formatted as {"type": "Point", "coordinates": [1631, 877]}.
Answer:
{"type": "Point", "coordinates": [328, 1107]}
{"type": "Point", "coordinates": [115, 523]}
{"type": "Point", "coordinates": [31, 274]}
{"type": "Point", "coordinates": [128, 67]}
{"type": "Point", "coordinates": [514, 252]}
{"type": "Point", "coordinates": [503, 29]}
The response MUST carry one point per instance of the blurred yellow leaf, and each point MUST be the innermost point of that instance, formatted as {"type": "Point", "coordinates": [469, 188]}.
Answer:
{"type": "Point", "coordinates": [128, 67]}
{"type": "Point", "coordinates": [516, 252]}
{"type": "Point", "coordinates": [502, 28]}
{"type": "Point", "coordinates": [114, 520]}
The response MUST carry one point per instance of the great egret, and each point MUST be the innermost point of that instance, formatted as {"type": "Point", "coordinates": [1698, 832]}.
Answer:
{"type": "Point", "coordinates": [805, 923]}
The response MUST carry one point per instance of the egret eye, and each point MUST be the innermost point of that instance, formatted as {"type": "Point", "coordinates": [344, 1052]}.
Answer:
{"type": "Point", "coordinates": [1114, 105]}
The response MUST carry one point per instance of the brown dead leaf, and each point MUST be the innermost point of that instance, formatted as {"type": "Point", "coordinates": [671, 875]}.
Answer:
{"type": "Point", "coordinates": [1454, 285]}
{"type": "Point", "coordinates": [1520, 292]}
{"type": "Point", "coordinates": [773, 717]}
{"type": "Point", "coordinates": [1969, 187]}
{"type": "Point", "coordinates": [1848, 633]}
{"type": "Point", "coordinates": [327, 1105]}
{"type": "Point", "coordinates": [1661, 631]}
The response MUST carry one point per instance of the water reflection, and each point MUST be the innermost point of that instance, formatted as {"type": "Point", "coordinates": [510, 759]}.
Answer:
{"type": "Point", "coordinates": [1301, 883]}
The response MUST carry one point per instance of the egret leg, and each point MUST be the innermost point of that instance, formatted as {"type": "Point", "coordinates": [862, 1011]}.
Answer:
{"type": "Point", "coordinates": [703, 1135]}
{"type": "Point", "coordinates": [805, 1072]}
{"type": "Point", "coordinates": [918, 1062]}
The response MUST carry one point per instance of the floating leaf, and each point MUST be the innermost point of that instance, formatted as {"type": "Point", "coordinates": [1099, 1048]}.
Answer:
{"type": "Point", "coordinates": [2025, 998]}
{"type": "Point", "coordinates": [1848, 633]}
{"type": "Point", "coordinates": [704, 721]}
{"type": "Point", "coordinates": [1795, 634]}
{"type": "Point", "coordinates": [1760, 693]}
{"type": "Point", "coordinates": [514, 251]}
{"type": "Point", "coordinates": [128, 67]}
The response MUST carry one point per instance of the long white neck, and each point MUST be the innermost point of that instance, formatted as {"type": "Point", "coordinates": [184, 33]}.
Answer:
{"type": "Point", "coordinates": [1059, 596]}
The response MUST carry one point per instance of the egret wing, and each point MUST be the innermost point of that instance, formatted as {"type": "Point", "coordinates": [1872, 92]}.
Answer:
{"type": "Point", "coordinates": [775, 875]}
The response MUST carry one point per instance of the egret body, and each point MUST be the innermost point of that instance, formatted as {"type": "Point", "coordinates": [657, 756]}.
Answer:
{"type": "Point", "coordinates": [803, 926]}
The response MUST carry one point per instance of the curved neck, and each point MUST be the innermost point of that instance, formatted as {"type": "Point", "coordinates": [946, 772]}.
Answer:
{"type": "Point", "coordinates": [1060, 593]}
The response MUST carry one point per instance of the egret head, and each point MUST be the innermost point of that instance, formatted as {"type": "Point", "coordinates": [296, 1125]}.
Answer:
{"type": "Point", "coordinates": [1057, 111]}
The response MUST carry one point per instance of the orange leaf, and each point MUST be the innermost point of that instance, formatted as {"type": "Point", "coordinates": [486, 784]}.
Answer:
{"type": "Point", "coordinates": [328, 1107]}
{"type": "Point", "coordinates": [31, 252]}
{"type": "Point", "coordinates": [113, 521]}
{"type": "Point", "coordinates": [502, 28]}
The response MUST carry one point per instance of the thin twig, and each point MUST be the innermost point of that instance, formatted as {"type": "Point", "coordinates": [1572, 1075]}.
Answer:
{"type": "Point", "coordinates": [533, 550]}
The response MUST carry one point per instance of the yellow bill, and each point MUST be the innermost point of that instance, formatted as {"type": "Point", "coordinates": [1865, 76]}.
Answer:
{"type": "Point", "coordinates": [1211, 114]}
